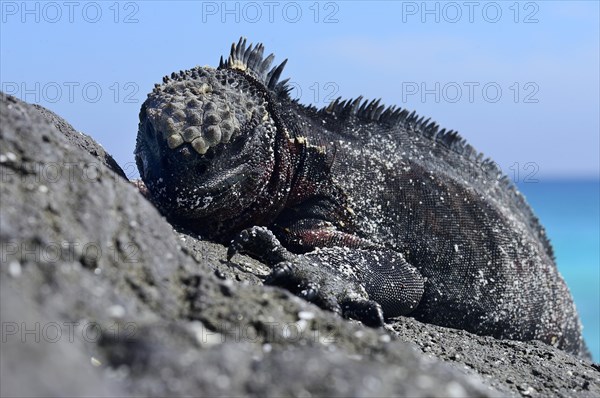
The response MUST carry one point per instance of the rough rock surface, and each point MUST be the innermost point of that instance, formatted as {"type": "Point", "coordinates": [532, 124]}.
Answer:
{"type": "Point", "coordinates": [80, 140]}
{"type": "Point", "coordinates": [100, 296]}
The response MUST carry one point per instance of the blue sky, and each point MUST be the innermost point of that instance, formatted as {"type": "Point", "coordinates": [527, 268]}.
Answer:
{"type": "Point", "coordinates": [519, 82]}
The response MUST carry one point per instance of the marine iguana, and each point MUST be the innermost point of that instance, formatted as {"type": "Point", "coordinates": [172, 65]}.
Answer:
{"type": "Point", "coordinates": [365, 210]}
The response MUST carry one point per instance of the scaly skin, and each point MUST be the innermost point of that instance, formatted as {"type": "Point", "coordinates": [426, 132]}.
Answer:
{"type": "Point", "coordinates": [364, 210]}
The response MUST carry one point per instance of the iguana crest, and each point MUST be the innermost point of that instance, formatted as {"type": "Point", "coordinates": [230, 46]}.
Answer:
{"type": "Point", "coordinates": [250, 60]}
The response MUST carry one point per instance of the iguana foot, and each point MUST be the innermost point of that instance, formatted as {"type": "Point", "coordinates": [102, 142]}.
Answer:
{"type": "Point", "coordinates": [327, 289]}
{"type": "Point", "coordinates": [308, 277]}
{"type": "Point", "coordinates": [260, 244]}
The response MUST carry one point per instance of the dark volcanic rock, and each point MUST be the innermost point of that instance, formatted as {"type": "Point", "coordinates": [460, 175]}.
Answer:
{"type": "Point", "coordinates": [81, 140]}
{"type": "Point", "coordinates": [100, 296]}
{"type": "Point", "coordinates": [528, 368]}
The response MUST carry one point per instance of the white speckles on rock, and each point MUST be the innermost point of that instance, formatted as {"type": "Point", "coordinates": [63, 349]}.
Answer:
{"type": "Point", "coordinates": [116, 311]}
{"type": "Point", "coordinates": [301, 325]}
{"type": "Point", "coordinates": [204, 336]}
{"type": "Point", "coordinates": [8, 156]}
{"type": "Point", "coordinates": [14, 269]}
{"type": "Point", "coordinates": [455, 390]}
{"type": "Point", "coordinates": [307, 315]}
{"type": "Point", "coordinates": [385, 338]}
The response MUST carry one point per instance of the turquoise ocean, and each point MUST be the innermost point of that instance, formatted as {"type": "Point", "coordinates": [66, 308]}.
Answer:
{"type": "Point", "coordinates": [570, 212]}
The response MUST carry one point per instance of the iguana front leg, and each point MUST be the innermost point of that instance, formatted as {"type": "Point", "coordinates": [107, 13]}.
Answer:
{"type": "Point", "coordinates": [358, 283]}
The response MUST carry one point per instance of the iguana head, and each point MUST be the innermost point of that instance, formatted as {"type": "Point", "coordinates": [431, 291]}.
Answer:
{"type": "Point", "coordinates": [207, 138]}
